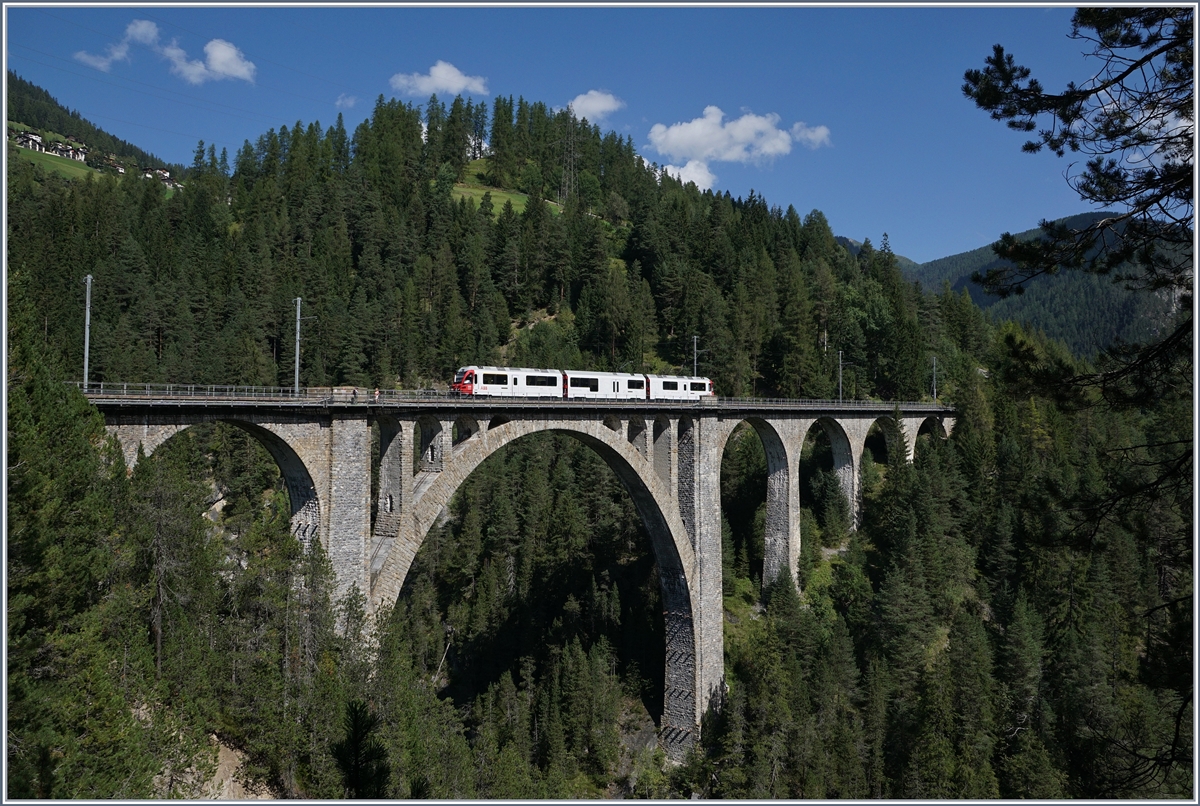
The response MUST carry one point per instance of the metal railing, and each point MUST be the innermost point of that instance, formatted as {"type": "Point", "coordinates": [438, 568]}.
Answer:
{"type": "Point", "coordinates": [320, 395]}
{"type": "Point", "coordinates": [348, 395]}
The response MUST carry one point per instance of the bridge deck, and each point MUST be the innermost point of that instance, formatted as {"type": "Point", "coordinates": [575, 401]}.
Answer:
{"type": "Point", "coordinates": [130, 395]}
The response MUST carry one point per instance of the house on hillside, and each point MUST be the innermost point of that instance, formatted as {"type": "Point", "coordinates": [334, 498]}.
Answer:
{"type": "Point", "coordinates": [31, 141]}
{"type": "Point", "coordinates": [68, 151]}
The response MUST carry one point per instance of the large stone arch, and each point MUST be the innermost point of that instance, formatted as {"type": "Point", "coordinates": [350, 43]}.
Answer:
{"type": "Point", "coordinates": [281, 440]}
{"type": "Point", "coordinates": [669, 539]}
{"type": "Point", "coordinates": [781, 537]}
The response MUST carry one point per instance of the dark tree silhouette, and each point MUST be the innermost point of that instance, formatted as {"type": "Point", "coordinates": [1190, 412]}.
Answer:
{"type": "Point", "coordinates": [360, 757]}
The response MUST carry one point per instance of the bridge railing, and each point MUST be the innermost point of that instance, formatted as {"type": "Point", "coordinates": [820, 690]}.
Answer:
{"type": "Point", "coordinates": [323, 395]}
{"type": "Point", "coordinates": [256, 394]}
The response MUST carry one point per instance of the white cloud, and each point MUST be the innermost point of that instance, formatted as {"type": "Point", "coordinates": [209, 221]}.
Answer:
{"type": "Point", "coordinates": [222, 59]}
{"type": "Point", "coordinates": [141, 31]}
{"type": "Point", "coordinates": [345, 101]}
{"type": "Point", "coordinates": [226, 61]}
{"type": "Point", "coordinates": [595, 105]}
{"type": "Point", "coordinates": [443, 77]}
{"type": "Point", "coordinates": [811, 136]}
{"type": "Point", "coordinates": [710, 138]}
{"type": "Point", "coordinates": [192, 71]}
{"type": "Point", "coordinates": [695, 171]}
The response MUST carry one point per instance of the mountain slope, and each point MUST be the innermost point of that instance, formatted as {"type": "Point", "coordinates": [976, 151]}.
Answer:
{"type": "Point", "coordinates": [1086, 312]}
{"type": "Point", "coordinates": [35, 107]}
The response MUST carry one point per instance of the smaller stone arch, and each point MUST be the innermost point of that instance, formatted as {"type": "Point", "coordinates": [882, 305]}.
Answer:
{"type": "Point", "coordinates": [305, 505]}
{"type": "Point", "coordinates": [662, 448]}
{"type": "Point", "coordinates": [636, 434]}
{"type": "Point", "coordinates": [394, 485]}
{"type": "Point", "coordinates": [612, 422]}
{"type": "Point", "coordinates": [932, 427]}
{"type": "Point", "coordinates": [844, 465]}
{"type": "Point", "coordinates": [781, 537]}
{"type": "Point", "coordinates": [429, 451]}
{"type": "Point", "coordinates": [498, 421]}
{"type": "Point", "coordinates": [884, 436]}
{"type": "Point", "coordinates": [465, 427]}
{"type": "Point", "coordinates": [686, 475]}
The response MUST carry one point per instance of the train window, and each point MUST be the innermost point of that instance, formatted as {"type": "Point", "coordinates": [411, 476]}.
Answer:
{"type": "Point", "coordinates": [499, 380]}
{"type": "Point", "coordinates": [586, 383]}
{"type": "Point", "coordinates": [636, 385]}
{"type": "Point", "coordinates": [541, 380]}
{"type": "Point", "coordinates": [670, 386]}
{"type": "Point", "coordinates": [698, 386]}
{"type": "Point", "coordinates": [458, 377]}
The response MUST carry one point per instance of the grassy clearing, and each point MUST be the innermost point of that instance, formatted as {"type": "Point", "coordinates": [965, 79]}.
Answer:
{"type": "Point", "coordinates": [519, 200]}
{"type": "Point", "coordinates": [56, 164]}
{"type": "Point", "coordinates": [474, 186]}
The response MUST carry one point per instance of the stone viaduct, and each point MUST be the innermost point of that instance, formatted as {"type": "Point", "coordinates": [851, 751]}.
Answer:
{"type": "Point", "coordinates": [667, 454]}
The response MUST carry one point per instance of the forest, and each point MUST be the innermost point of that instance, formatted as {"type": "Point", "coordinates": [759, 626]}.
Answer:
{"type": "Point", "coordinates": [1012, 619]}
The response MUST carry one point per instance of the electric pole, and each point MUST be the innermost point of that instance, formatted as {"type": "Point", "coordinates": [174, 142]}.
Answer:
{"type": "Point", "coordinates": [296, 391]}
{"type": "Point", "coordinates": [569, 182]}
{"type": "Point", "coordinates": [839, 376]}
{"type": "Point", "coordinates": [87, 330]}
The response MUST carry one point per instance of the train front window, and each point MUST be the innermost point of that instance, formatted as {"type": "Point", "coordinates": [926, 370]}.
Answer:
{"type": "Point", "coordinates": [460, 375]}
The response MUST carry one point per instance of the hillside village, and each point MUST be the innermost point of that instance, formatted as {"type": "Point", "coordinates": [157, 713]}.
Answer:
{"type": "Point", "coordinates": [50, 143]}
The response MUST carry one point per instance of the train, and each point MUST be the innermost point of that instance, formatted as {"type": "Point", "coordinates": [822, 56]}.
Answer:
{"type": "Point", "coordinates": [564, 384]}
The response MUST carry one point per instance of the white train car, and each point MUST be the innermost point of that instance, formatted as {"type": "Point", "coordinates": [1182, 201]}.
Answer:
{"type": "Point", "coordinates": [523, 382]}
{"type": "Point", "coordinates": [676, 387]}
{"type": "Point", "coordinates": [584, 385]}
{"type": "Point", "coordinates": [508, 382]}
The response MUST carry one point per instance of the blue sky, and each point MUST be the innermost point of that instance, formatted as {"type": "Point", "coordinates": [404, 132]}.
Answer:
{"type": "Point", "coordinates": [854, 111]}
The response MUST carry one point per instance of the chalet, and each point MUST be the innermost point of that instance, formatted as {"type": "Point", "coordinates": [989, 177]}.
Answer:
{"type": "Point", "coordinates": [31, 141]}
{"type": "Point", "coordinates": [71, 152]}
